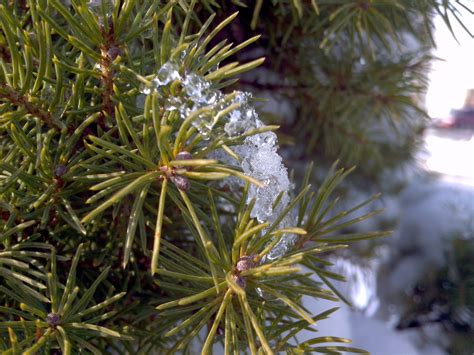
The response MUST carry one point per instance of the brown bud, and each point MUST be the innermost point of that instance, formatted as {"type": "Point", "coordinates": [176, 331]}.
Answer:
{"type": "Point", "coordinates": [245, 263]}
{"type": "Point", "coordinates": [53, 319]}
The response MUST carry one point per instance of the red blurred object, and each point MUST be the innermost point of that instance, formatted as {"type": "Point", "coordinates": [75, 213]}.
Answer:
{"type": "Point", "coordinates": [461, 119]}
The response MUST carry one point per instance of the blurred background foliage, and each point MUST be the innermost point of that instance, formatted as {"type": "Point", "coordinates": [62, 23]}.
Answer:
{"type": "Point", "coordinates": [344, 79]}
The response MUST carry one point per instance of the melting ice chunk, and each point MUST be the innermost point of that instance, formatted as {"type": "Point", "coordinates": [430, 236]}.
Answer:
{"type": "Point", "coordinates": [263, 163]}
{"type": "Point", "coordinates": [199, 91]}
{"type": "Point", "coordinates": [199, 94]}
{"type": "Point", "coordinates": [260, 160]}
{"type": "Point", "coordinates": [166, 74]}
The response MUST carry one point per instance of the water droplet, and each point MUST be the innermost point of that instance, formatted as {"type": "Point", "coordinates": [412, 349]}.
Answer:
{"type": "Point", "coordinates": [145, 90]}
{"type": "Point", "coordinates": [167, 74]}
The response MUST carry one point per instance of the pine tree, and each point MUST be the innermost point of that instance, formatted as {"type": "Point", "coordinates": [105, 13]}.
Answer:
{"type": "Point", "coordinates": [353, 73]}
{"type": "Point", "coordinates": [143, 204]}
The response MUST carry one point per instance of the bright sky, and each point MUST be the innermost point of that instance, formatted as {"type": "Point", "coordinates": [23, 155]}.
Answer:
{"type": "Point", "coordinates": [450, 79]}
{"type": "Point", "coordinates": [451, 153]}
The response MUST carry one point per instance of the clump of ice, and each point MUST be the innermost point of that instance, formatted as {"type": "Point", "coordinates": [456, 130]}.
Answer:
{"type": "Point", "coordinates": [197, 95]}
{"type": "Point", "coordinates": [285, 243]}
{"type": "Point", "coordinates": [260, 160]}
{"type": "Point", "coordinates": [244, 119]}
{"type": "Point", "coordinates": [167, 73]}
{"type": "Point", "coordinates": [198, 90]}
{"type": "Point", "coordinates": [258, 153]}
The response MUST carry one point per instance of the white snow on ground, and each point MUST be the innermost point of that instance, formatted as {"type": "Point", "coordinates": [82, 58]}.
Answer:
{"type": "Point", "coordinates": [369, 334]}
{"type": "Point", "coordinates": [430, 210]}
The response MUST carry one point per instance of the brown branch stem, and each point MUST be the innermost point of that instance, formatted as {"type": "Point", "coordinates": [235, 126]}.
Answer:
{"type": "Point", "coordinates": [109, 51]}
{"type": "Point", "coordinates": [10, 94]}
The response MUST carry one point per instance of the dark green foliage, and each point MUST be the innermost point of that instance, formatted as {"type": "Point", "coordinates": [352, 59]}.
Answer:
{"type": "Point", "coordinates": [62, 317]}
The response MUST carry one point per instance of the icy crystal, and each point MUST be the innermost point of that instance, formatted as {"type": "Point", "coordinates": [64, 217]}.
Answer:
{"type": "Point", "coordinates": [195, 87]}
{"type": "Point", "coordinates": [196, 94]}
{"type": "Point", "coordinates": [260, 160]}
{"type": "Point", "coordinates": [167, 74]}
